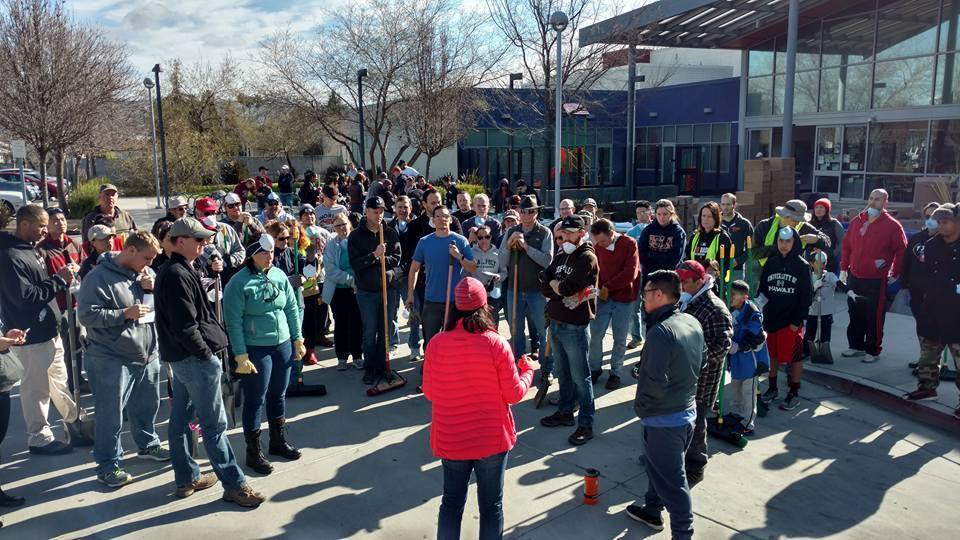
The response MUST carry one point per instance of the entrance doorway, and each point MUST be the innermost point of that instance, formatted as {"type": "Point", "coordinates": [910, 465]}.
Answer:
{"type": "Point", "coordinates": [688, 180]}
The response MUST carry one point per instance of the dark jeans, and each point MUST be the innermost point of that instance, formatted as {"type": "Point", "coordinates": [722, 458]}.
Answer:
{"type": "Point", "coordinates": [432, 315]}
{"type": "Point", "coordinates": [196, 386]}
{"type": "Point", "coordinates": [867, 313]}
{"type": "Point", "coordinates": [268, 385]}
{"type": "Point", "coordinates": [569, 346]}
{"type": "Point", "coordinates": [314, 320]}
{"type": "Point", "coordinates": [696, 454]}
{"type": "Point", "coordinates": [456, 477]}
{"type": "Point", "coordinates": [347, 328]}
{"type": "Point", "coordinates": [666, 479]}
{"type": "Point", "coordinates": [371, 315]}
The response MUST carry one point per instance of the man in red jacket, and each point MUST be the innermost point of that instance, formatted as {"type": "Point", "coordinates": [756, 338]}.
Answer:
{"type": "Point", "coordinates": [619, 266]}
{"type": "Point", "coordinates": [872, 257]}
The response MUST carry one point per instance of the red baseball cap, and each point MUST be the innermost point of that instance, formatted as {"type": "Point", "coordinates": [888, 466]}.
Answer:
{"type": "Point", "coordinates": [691, 270]}
{"type": "Point", "coordinates": [206, 205]}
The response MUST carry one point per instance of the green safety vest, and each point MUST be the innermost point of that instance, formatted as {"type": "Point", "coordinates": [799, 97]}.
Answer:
{"type": "Point", "coordinates": [711, 251]}
{"type": "Point", "coordinates": [772, 237]}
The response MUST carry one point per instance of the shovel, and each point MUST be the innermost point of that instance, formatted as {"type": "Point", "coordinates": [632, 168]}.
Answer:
{"type": "Point", "coordinates": [820, 352]}
{"type": "Point", "coordinates": [229, 385]}
{"type": "Point", "coordinates": [86, 426]}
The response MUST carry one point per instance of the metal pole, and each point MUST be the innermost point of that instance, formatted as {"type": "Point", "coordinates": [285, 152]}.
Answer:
{"type": "Point", "coordinates": [156, 159]}
{"type": "Point", "coordinates": [631, 117]}
{"type": "Point", "coordinates": [786, 145]}
{"type": "Point", "coordinates": [363, 147]}
{"type": "Point", "coordinates": [163, 138]}
{"type": "Point", "coordinates": [23, 183]}
{"type": "Point", "coordinates": [557, 141]}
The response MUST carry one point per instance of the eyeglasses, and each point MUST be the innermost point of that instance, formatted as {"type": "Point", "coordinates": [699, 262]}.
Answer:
{"type": "Point", "coordinates": [273, 203]}
{"type": "Point", "coordinates": [528, 211]}
{"type": "Point", "coordinates": [650, 290]}
{"type": "Point", "coordinates": [483, 238]}
{"type": "Point", "coordinates": [283, 239]}
{"type": "Point", "coordinates": [234, 205]}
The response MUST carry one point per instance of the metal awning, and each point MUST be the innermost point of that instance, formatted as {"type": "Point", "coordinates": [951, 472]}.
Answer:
{"type": "Point", "coordinates": [724, 24]}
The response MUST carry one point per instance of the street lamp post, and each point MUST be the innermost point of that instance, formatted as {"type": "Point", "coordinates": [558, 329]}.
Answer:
{"type": "Point", "coordinates": [361, 73]}
{"type": "Point", "coordinates": [163, 138]}
{"type": "Point", "coordinates": [513, 78]}
{"type": "Point", "coordinates": [148, 84]}
{"type": "Point", "coordinates": [558, 21]}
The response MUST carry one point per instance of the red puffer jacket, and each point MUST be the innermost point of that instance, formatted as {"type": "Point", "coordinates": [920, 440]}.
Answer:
{"type": "Point", "coordinates": [471, 381]}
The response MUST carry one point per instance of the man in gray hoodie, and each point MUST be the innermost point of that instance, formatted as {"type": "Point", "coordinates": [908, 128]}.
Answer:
{"type": "Point", "coordinates": [115, 304]}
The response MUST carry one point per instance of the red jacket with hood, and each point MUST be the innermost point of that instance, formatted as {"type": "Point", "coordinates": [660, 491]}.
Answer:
{"type": "Point", "coordinates": [873, 250]}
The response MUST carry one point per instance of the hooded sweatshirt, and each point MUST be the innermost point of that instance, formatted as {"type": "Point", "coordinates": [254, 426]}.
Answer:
{"type": "Point", "coordinates": [26, 290]}
{"type": "Point", "coordinates": [874, 250]}
{"type": "Point", "coordinates": [619, 268]}
{"type": "Point", "coordinates": [105, 293]}
{"type": "Point", "coordinates": [786, 283]}
{"type": "Point", "coordinates": [834, 230]}
{"type": "Point", "coordinates": [575, 272]}
{"type": "Point", "coordinates": [661, 248]}
{"type": "Point", "coordinates": [260, 309]}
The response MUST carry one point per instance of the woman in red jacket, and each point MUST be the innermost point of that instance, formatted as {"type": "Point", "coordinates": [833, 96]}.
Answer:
{"type": "Point", "coordinates": [471, 380]}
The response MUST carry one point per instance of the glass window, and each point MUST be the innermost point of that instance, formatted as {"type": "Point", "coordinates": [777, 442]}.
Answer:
{"type": "Point", "coordinates": [856, 96]}
{"type": "Point", "coordinates": [897, 147]}
{"type": "Point", "coordinates": [831, 90]}
{"type": "Point", "coordinates": [646, 156]}
{"type": "Point", "coordinates": [654, 134]}
{"type": "Point", "coordinates": [497, 138]}
{"type": "Point", "coordinates": [851, 186]}
{"type": "Point", "coordinates": [475, 138]}
{"type": "Point", "coordinates": [808, 49]}
{"type": "Point", "coordinates": [641, 135]}
{"type": "Point", "coordinates": [903, 83]}
{"type": "Point", "coordinates": [805, 92]}
{"type": "Point", "coordinates": [723, 157]}
{"type": "Point", "coordinates": [947, 86]}
{"type": "Point", "coordinates": [701, 133]}
{"type": "Point", "coordinates": [759, 91]}
{"type": "Point", "coordinates": [760, 59]}
{"type": "Point", "coordinates": [950, 27]}
{"type": "Point", "coordinates": [907, 28]}
{"type": "Point", "coordinates": [669, 133]}
{"type": "Point", "coordinates": [706, 157]}
{"type": "Point", "coordinates": [603, 136]}
{"type": "Point", "coordinates": [684, 134]}
{"type": "Point", "coordinates": [721, 133]}
{"type": "Point", "coordinates": [849, 38]}
{"type": "Point", "coordinates": [854, 147]}
{"type": "Point", "coordinates": [759, 143]}
{"type": "Point", "coordinates": [828, 149]}
{"type": "Point", "coordinates": [900, 188]}
{"type": "Point", "coordinates": [827, 184]}
{"type": "Point", "coordinates": [945, 147]}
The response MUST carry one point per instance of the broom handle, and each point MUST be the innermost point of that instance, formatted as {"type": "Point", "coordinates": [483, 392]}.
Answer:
{"type": "Point", "coordinates": [513, 311]}
{"type": "Point", "coordinates": [71, 338]}
{"type": "Point", "coordinates": [446, 299]}
{"type": "Point", "coordinates": [723, 288]}
{"type": "Point", "coordinates": [386, 301]}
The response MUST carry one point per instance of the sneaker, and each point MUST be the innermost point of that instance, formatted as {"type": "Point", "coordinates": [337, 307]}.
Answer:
{"type": "Point", "coordinates": [203, 482]}
{"type": "Point", "coordinates": [54, 448]}
{"type": "Point", "coordinates": [921, 394]}
{"type": "Point", "coordinates": [581, 436]}
{"type": "Point", "coordinates": [115, 477]}
{"type": "Point", "coordinates": [634, 343]}
{"type": "Point", "coordinates": [853, 353]}
{"type": "Point", "coordinates": [245, 496]}
{"type": "Point", "coordinates": [613, 382]}
{"type": "Point", "coordinates": [770, 396]}
{"type": "Point", "coordinates": [415, 358]}
{"type": "Point", "coordinates": [156, 453]}
{"type": "Point", "coordinates": [358, 362]}
{"type": "Point", "coordinates": [558, 419]}
{"type": "Point", "coordinates": [870, 358]}
{"type": "Point", "coordinates": [394, 349]}
{"type": "Point", "coordinates": [790, 402]}
{"type": "Point", "coordinates": [640, 513]}
{"type": "Point", "coordinates": [595, 376]}
{"type": "Point", "coordinates": [745, 431]}
{"type": "Point", "coordinates": [342, 364]}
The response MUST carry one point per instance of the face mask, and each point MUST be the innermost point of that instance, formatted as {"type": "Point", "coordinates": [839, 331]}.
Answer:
{"type": "Point", "coordinates": [873, 212]}
{"type": "Point", "coordinates": [685, 297]}
{"type": "Point", "coordinates": [932, 225]}
{"type": "Point", "coordinates": [402, 226]}
{"type": "Point", "coordinates": [569, 248]}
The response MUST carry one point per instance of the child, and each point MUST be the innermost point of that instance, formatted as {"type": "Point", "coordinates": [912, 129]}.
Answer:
{"type": "Point", "coordinates": [748, 356]}
{"type": "Point", "coordinates": [823, 307]}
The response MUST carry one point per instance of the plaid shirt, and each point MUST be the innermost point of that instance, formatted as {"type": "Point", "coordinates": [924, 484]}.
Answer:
{"type": "Point", "coordinates": [717, 324]}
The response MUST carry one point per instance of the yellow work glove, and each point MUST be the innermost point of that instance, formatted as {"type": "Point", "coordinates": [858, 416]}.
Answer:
{"type": "Point", "coordinates": [244, 365]}
{"type": "Point", "coordinates": [299, 350]}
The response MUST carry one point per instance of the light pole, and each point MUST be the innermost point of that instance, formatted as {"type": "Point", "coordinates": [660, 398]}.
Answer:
{"type": "Point", "coordinates": [558, 21]}
{"type": "Point", "coordinates": [361, 73]}
{"type": "Point", "coordinates": [148, 84]}
{"type": "Point", "coordinates": [163, 138]}
{"type": "Point", "coordinates": [513, 78]}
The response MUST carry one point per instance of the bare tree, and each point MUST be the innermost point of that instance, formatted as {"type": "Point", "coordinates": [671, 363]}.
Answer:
{"type": "Point", "coordinates": [56, 77]}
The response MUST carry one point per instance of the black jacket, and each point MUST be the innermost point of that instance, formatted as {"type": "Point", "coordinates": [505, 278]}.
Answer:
{"type": "Point", "coordinates": [669, 364]}
{"type": "Point", "coordinates": [186, 322]}
{"type": "Point", "coordinates": [941, 297]}
{"type": "Point", "coordinates": [26, 290]}
{"type": "Point", "coordinates": [913, 274]}
{"type": "Point", "coordinates": [761, 251]}
{"type": "Point", "coordinates": [366, 268]}
{"type": "Point", "coordinates": [575, 272]}
{"type": "Point", "coordinates": [407, 245]}
{"type": "Point", "coordinates": [788, 286]}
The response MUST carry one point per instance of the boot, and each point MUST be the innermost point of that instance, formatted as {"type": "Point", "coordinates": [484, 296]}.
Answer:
{"type": "Point", "coordinates": [278, 440]}
{"type": "Point", "coordinates": [310, 359]}
{"type": "Point", "coordinates": [255, 457]}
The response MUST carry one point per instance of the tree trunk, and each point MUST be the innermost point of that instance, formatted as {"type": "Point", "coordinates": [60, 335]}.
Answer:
{"type": "Point", "coordinates": [43, 178]}
{"type": "Point", "coordinates": [87, 166]}
{"type": "Point", "coordinates": [61, 193]}
{"type": "Point", "coordinates": [426, 173]}
{"type": "Point", "coordinates": [93, 167]}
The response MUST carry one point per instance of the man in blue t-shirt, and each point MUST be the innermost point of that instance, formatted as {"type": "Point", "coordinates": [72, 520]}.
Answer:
{"type": "Point", "coordinates": [436, 252]}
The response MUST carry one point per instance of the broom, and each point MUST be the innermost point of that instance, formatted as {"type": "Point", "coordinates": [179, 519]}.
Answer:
{"type": "Point", "coordinates": [299, 389]}
{"type": "Point", "coordinates": [391, 379]}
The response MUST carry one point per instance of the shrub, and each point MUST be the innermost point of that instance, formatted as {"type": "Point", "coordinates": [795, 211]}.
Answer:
{"type": "Point", "coordinates": [6, 215]}
{"type": "Point", "coordinates": [84, 197]}
{"type": "Point", "coordinates": [472, 189]}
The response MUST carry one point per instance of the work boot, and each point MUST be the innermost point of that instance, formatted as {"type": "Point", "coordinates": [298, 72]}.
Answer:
{"type": "Point", "coordinates": [204, 481]}
{"type": "Point", "coordinates": [310, 359]}
{"type": "Point", "coordinates": [76, 436]}
{"type": "Point", "coordinates": [278, 440]}
{"type": "Point", "coordinates": [245, 496]}
{"type": "Point", "coordinates": [255, 458]}
{"type": "Point", "coordinates": [558, 419]}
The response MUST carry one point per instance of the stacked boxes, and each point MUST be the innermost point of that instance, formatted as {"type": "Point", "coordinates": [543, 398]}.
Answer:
{"type": "Point", "coordinates": [767, 183]}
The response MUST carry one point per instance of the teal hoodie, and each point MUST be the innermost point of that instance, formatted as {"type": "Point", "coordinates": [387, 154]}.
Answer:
{"type": "Point", "coordinates": [260, 309]}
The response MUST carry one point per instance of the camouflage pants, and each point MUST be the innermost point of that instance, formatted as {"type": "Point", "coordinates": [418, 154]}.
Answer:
{"type": "Point", "coordinates": [928, 367]}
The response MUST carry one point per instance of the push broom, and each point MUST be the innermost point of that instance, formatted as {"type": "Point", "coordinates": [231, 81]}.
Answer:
{"type": "Point", "coordinates": [391, 380]}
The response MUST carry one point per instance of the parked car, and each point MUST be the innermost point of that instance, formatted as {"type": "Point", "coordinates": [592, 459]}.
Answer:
{"type": "Point", "coordinates": [33, 192]}
{"type": "Point", "coordinates": [33, 184]}
{"type": "Point", "coordinates": [10, 201]}
{"type": "Point", "coordinates": [33, 176]}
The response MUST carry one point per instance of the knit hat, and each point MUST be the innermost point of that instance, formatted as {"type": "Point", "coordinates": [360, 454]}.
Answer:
{"type": "Point", "coordinates": [470, 294]}
{"type": "Point", "coordinates": [825, 202]}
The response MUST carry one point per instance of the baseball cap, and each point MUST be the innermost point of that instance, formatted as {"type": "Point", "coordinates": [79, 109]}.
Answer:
{"type": "Point", "coordinates": [206, 205]}
{"type": "Point", "coordinates": [374, 203]}
{"type": "Point", "coordinates": [231, 198]}
{"type": "Point", "coordinates": [691, 270]}
{"type": "Point", "coordinates": [108, 187]}
{"type": "Point", "coordinates": [307, 209]}
{"type": "Point", "coordinates": [511, 214]}
{"type": "Point", "coordinates": [188, 226]}
{"type": "Point", "coordinates": [572, 223]}
{"type": "Point", "coordinates": [470, 294]}
{"type": "Point", "coordinates": [177, 201]}
{"type": "Point", "coordinates": [589, 202]}
{"type": "Point", "coordinates": [54, 210]}
{"type": "Point", "coordinates": [265, 243]}
{"type": "Point", "coordinates": [273, 197]}
{"type": "Point", "coordinates": [285, 168]}
{"type": "Point", "coordinates": [100, 232]}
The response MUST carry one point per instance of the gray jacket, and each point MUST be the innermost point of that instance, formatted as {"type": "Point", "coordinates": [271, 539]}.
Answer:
{"type": "Point", "coordinates": [669, 364]}
{"type": "Point", "coordinates": [105, 293]}
{"type": "Point", "coordinates": [334, 274]}
{"type": "Point", "coordinates": [488, 263]}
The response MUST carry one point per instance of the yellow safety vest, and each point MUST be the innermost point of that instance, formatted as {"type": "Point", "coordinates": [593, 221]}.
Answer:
{"type": "Point", "coordinates": [772, 235]}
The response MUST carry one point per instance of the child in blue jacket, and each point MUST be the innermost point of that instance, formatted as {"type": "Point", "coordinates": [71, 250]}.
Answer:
{"type": "Point", "coordinates": [748, 356]}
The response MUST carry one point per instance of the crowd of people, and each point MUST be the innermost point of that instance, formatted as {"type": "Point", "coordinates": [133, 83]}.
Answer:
{"type": "Point", "coordinates": [239, 292]}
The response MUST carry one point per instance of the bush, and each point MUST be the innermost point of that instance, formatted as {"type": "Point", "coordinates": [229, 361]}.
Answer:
{"type": "Point", "coordinates": [84, 197]}
{"type": "Point", "coordinates": [472, 189]}
{"type": "Point", "coordinates": [6, 215]}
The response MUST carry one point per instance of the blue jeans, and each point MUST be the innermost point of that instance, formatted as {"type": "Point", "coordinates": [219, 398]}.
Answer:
{"type": "Point", "coordinates": [530, 304]}
{"type": "Point", "coordinates": [616, 314]}
{"type": "Point", "coordinates": [286, 199]}
{"type": "Point", "coordinates": [636, 323]}
{"type": "Point", "coordinates": [666, 477]}
{"type": "Point", "coordinates": [456, 477]}
{"type": "Point", "coordinates": [398, 297]}
{"type": "Point", "coordinates": [268, 385]}
{"type": "Point", "coordinates": [196, 383]}
{"type": "Point", "coordinates": [371, 315]}
{"type": "Point", "coordinates": [569, 345]}
{"type": "Point", "coordinates": [118, 385]}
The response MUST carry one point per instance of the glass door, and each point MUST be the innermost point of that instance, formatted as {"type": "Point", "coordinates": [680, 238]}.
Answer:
{"type": "Point", "coordinates": [828, 160]}
{"type": "Point", "coordinates": [668, 171]}
{"type": "Point", "coordinates": [689, 165]}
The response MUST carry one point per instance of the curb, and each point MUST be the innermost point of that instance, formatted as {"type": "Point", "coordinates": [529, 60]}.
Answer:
{"type": "Point", "coordinates": [887, 397]}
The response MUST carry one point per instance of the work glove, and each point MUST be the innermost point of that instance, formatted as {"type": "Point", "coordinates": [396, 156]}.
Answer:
{"type": "Point", "coordinates": [299, 349]}
{"type": "Point", "coordinates": [244, 365]}
{"type": "Point", "coordinates": [843, 277]}
{"type": "Point", "coordinates": [734, 348]}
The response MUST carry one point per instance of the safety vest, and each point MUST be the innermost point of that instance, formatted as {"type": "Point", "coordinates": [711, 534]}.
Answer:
{"type": "Point", "coordinates": [711, 251]}
{"type": "Point", "coordinates": [772, 236]}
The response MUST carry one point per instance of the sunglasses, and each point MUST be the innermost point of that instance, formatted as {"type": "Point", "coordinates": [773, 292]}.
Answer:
{"type": "Point", "coordinates": [483, 238]}
{"type": "Point", "coordinates": [273, 203]}
{"type": "Point", "coordinates": [234, 205]}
